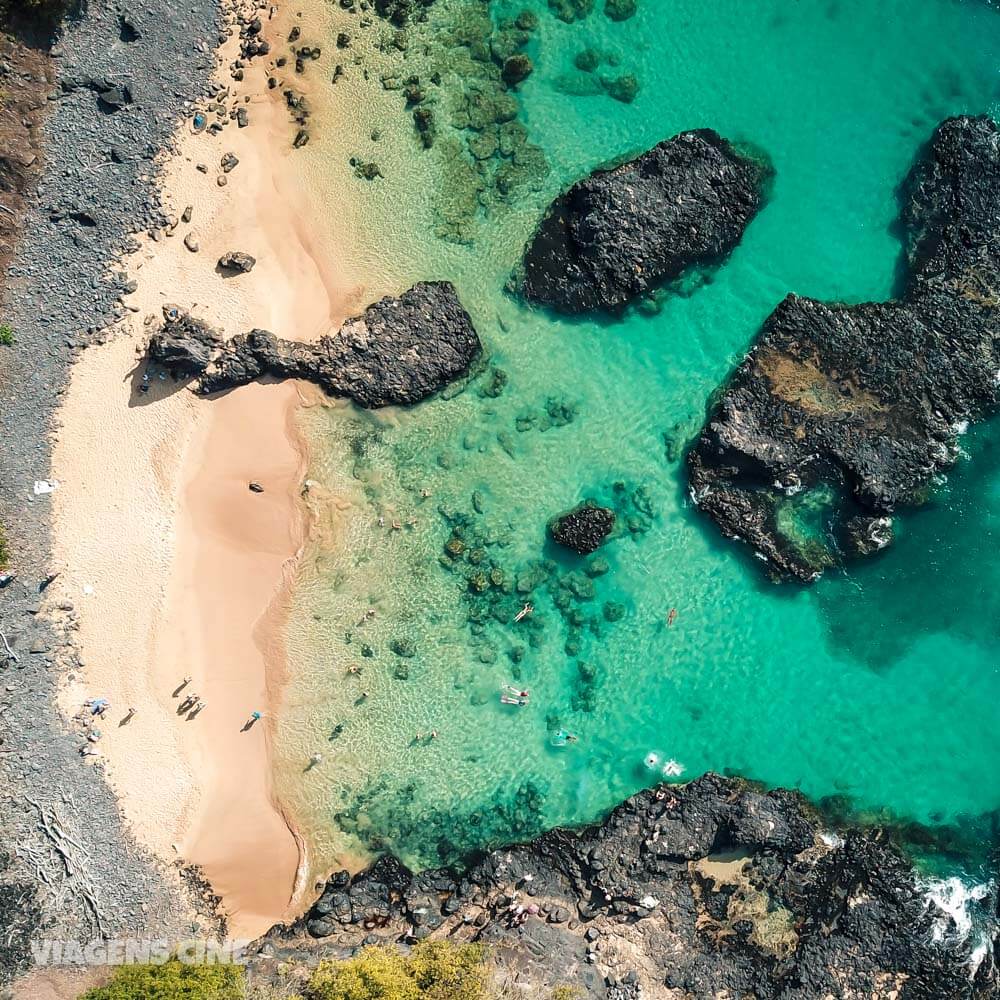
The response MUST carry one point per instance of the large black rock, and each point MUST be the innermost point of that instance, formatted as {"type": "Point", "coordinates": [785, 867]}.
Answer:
{"type": "Point", "coordinates": [584, 528]}
{"type": "Point", "coordinates": [620, 233]}
{"type": "Point", "coordinates": [847, 411]}
{"type": "Point", "coordinates": [714, 888]}
{"type": "Point", "coordinates": [400, 350]}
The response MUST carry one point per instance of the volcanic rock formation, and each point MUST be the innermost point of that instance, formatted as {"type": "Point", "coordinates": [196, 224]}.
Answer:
{"type": "Point", "coordinates": [622, 232]}
{"type": "Point", "coordinates": [841, 414]}
{"type": "Point", "coordinates": [715, 888]}
{"type": "Point", "coordinates": [584, 528]}
{"type": "Point", "coordinates": [399, 351]}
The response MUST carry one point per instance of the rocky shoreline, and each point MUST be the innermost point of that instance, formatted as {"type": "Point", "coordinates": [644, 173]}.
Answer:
{"type": "Point", "coordinates": [95, 192]}
{"type": "Point", "coordinates": [846, 413]}
{"type": "Point", "coordinates": [714, 888]}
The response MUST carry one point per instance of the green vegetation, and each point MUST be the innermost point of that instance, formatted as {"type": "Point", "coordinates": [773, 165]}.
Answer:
{"type": "Point", "coordinates": [6, 335]}
{"type": "Point", "coordinates": [434, 970]}
{"type": "Point", "coordinates": [172, 981]}
{"type": "Point", "coordinates": [4, 552]}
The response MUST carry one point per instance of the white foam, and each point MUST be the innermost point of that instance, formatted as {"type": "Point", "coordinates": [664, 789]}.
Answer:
{"type": "Point", "coordinates": [951, 898]}
{"type": "Point", "coordinates": [673, 769]}
{"type": "Point", "coordinates": [831, 840]}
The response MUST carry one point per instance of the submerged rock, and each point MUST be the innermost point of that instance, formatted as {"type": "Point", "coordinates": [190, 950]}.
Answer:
{"type": "Point", "coordinates": [714, 888]}
{"type": "Point", "coordinates": [859, 406]}
{"type": "Point", "coordinates": [621, 232]}
{"type": "Point", "coordinates": [400, 350]}
{"type": "Point", "coordinates": [584, 528]}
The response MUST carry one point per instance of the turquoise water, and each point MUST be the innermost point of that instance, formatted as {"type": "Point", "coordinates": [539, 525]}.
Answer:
{"type": "Point", "coordinates": [879, 684]}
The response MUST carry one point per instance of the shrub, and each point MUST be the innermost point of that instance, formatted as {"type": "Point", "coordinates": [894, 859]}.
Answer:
{"type": "Point", "coordinates": [434, 970]}
{"type": "Point", "coordinates": [6, 335]}
{"type": "Point", "coordinates": [172, 981]}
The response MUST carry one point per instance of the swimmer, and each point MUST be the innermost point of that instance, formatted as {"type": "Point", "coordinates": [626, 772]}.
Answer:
{"type": "Point", "coordinates": [396, 526]}
{"type": "Point", "coordinates": [524, 612]}
{"type": "Point", "coordinates": [652, 761]}
{"type": "Point", "coordinates": [425, 493]}
{"type": "Point", "coordinates": [673, 769]}
{"type": "Point", "coordinates": [354, 669]}
{"type": "Point", "coordinates": [671, 617]}
{"type": "Point", "coordinates": [510, 689]}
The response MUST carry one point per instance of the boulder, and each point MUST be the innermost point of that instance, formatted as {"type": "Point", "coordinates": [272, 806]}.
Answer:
{"type": "Point", "coordinates": [622, 232]}
{"type": "Point", "coordinates": [237, 262]}
{"type": "Point", "coordinates": [584, 528]}
{"type": "Point", "coordinates": [399, 351]}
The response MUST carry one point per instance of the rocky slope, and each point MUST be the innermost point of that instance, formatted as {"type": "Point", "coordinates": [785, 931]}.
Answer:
{"type": "Point", "coordinates": [715, 888]}
{"type": "Point", "coordinates": [400, 350]}
{"type": "Point", "coordinates": [849, 411]}
{"type": "Point", "coordinates": [621, 233]}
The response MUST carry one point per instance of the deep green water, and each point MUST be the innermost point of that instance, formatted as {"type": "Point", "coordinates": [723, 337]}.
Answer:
{"type": "Point", "coordinates": [880, 684]}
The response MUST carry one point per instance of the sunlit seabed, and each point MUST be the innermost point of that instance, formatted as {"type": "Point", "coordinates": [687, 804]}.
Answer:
{"type": "Point", "coordinates": [881, 685]}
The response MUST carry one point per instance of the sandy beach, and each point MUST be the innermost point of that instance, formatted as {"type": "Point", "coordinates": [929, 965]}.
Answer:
{"type": "Point", "coordinates": [176, 567]}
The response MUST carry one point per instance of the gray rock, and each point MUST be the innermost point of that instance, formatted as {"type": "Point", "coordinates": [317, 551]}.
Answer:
{"type": "Point", "coordinates": [399, 351]}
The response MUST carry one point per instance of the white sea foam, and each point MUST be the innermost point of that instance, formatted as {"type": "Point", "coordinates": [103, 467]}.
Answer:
{"type": "Point", "coordinates": [673, 769]}
{"type": "Point", "coordinates": [831, 839]}
{"type": "Point", "coordinates": [951, 898]}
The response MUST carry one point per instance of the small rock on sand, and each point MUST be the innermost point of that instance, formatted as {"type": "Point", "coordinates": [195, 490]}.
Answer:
{"type": "Point", "coordinates": [236, 260]}
{"type": "Point", "coordinates": [191, 242]}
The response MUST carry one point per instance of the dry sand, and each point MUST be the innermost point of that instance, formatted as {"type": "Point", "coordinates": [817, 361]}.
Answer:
{"type": "Point", "coordinates": [176, 568]}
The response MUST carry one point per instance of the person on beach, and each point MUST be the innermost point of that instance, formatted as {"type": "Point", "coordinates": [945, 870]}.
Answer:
{"type": "Point", "coordinates": [128, 717]}
{"type": "Point", "coordinates": [197, 708]}
{"type": "Point", "coordinates": [98, 706]}
{"type": "Point", "coordinates": [254, 718]}
{"type": "Point", "coordinates": [180, 687]}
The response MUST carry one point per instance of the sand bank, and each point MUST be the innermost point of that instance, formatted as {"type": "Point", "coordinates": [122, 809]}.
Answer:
{"type": "Point", "coordinates": [176, 568]}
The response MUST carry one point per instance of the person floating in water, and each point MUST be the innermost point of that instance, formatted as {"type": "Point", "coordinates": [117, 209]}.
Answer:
{"type": "Point", "coordinates": [671, 617]}
{"type": "Point", "coordinates": [562, 738]}
{"type": "Point", "coordinates": [524, 612]}
{"type": "Point", "coordinates": [516, 692]}
{"type": "Point", "coordinates": [506, 699]}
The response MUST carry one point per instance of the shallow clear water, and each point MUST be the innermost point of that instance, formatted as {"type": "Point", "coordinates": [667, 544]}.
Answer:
{"type": "Point", "coordinates": [880, 684]}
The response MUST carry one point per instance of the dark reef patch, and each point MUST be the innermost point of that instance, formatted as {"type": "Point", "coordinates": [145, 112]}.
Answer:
{"type": "Point", "coordinates": [583, 529]}
{"type": "Point", "coordinates": [622, 232]}
{"type": "Point", "coordinates": [842, 414]}
{"type": "Point", "coordinates": [399, 351]}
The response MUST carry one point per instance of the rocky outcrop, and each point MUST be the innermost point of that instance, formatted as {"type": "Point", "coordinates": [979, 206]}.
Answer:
{"type": "Point", "coordinates": [622, 232]}
{"type": "Point", "coordinates": [842, 412]}
{"type": "Point", "coordinates": [584, 528]}
{"type": "Point", "coordinates": [399, 351]}
{"type": "Point", "coordinates": [715, 888]}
